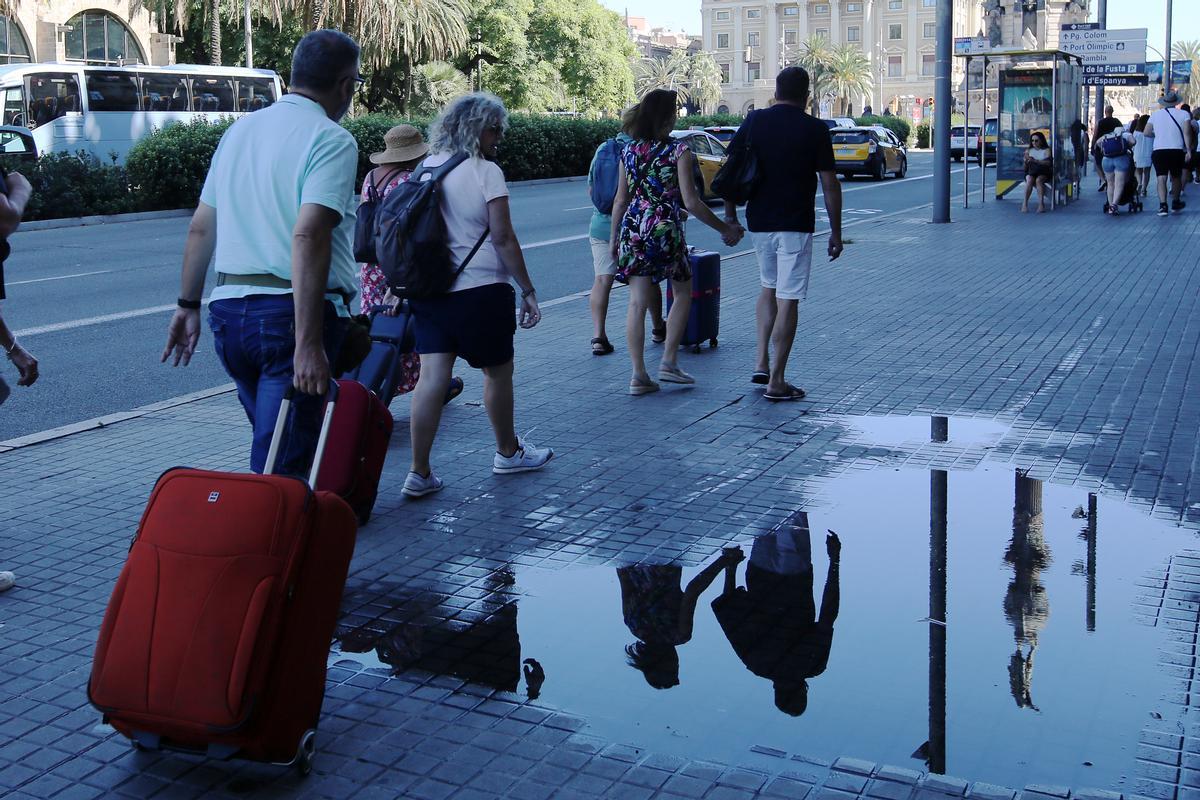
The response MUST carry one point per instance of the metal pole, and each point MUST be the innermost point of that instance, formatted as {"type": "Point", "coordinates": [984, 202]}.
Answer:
{"type": "Point", "coordinates": [1102, 18]}
{"type": "Point", "coordinates": [936, 753]}
{"type": "Point", "coordinates": [1053, 134]}
{"type": "Point", "coordinates": [249, 39]}
{"type": "Point", "coordinates": [966, 130]}
{"type": "Point", "coordinates": [983, 141]}
{"type": "Point", "coordinates": [1167, 51]}
{"type": "Point", "coordinates": [941, 111]}
{"type": "Point", "coordinates": [1091, 563]}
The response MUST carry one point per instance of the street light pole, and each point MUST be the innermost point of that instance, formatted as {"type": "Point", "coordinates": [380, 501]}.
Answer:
{"type": "Point", "coordinates": [1102, 18]}
{"type": "Point", "coordinates": [941, 111]}
{"type": "Point", "coordinates": [249, 38]}
{"type": "Point", "coordinates": [1167, 51]}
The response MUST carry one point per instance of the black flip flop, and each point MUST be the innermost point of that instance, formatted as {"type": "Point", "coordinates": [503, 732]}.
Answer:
{"type": "Point", "coordinates": [605, 346]}
{"type": "Point", "coordinates": [793, 393]}
{"type": "Point", "coordinates": [454, 389]}
{"type": "Point", "coordinates": [658, 335]}
{"type": "Point", "coordinates": [761, 378]}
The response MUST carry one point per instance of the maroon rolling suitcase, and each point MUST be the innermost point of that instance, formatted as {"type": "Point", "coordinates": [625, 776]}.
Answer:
{"type": "Point", "coordinates": [358, 443]}
{"type": "Point", "coordinates": [217, 635]}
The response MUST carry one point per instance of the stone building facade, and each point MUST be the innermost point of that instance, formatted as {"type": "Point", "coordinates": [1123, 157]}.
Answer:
{"type": "Point", "coordinates": [83, 31]}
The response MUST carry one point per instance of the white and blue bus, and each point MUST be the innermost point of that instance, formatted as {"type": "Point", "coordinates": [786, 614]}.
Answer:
{"type": "Point", "coordinates": [104, 110]}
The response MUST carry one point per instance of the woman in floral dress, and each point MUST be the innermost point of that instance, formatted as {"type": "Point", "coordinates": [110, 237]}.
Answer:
{"type": "Point", "coordinates": [656, 184]}
{"type": "Point", "coordinates": [404, 147]}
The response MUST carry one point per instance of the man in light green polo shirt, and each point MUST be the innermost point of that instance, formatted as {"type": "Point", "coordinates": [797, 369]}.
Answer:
{"type": "Point", "coordinates": [277, 213]}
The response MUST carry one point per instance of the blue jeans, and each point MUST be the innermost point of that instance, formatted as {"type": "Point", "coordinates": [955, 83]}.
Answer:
{"type": "Point", "coordinates": [255, 339]}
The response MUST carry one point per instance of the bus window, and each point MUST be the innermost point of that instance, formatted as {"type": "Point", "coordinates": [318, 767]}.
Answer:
{"type": "Point", "coordinates": [51, 95]}
{"type": "Point", "coordinates": [255, 93]}
{"type": "Point", "coordinates": [212, 94]}
{"type": "Point", "coordinates": [14, 106]}
{"type": "Point", "coordinates": [112, 91]}
{"type": "Point", "coordinates": [165, 93]}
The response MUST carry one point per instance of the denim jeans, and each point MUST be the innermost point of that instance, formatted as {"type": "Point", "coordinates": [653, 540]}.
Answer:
{"type": "Point", "coordinates": [255, 339]}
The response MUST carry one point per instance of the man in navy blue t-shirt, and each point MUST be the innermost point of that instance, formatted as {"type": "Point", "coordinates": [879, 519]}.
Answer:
{"type": "Point", "coordinates": [792, 149]}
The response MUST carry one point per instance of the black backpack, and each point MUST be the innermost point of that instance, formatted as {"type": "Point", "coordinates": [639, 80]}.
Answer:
{"type": "Point", "coordinates": [410, 235]}
{"type": "Point", "coordinates": [364, 224]}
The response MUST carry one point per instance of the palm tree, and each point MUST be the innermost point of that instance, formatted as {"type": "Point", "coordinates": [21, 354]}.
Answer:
{"type": "Point", "coordinates": [662, 73]}
{"type": "Point", "coordinates": [849, 74]}
{"type": "Point", "coordinates": [437, 83]}
{"type": "Point", "coordinates": [704, 81]}
{"type": "Point", "coordinates": [1185, 51]}
{"type": "Point", "coordinates": [816, 55]}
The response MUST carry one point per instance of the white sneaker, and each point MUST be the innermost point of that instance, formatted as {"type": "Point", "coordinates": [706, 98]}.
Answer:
{"type": "Point", "coordinates": [7, 581]}
{"type": "Point", "coordinates": [526, 459]}
{"type": "Point", "coordinates": [417, 486]}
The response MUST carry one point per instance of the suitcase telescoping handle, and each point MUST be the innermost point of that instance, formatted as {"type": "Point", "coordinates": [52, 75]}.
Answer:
{"type": "Point", "coordinates": [285, 409]}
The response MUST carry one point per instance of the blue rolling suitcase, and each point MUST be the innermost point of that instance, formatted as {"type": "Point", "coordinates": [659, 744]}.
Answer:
{"type": "Point", "coordinates": [704, 321]}
{"type": "Point", "coordinates": [390, 337]}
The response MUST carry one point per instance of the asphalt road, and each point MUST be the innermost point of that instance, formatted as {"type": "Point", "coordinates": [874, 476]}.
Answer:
{"type": "Point", "coordinates": [92, 303]}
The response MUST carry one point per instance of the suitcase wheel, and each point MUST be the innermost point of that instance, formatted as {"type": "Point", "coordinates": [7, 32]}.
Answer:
{"type": "Point", "coordinates": [712, 342]}
{"type": "Point", "coordinates": [305, 752]}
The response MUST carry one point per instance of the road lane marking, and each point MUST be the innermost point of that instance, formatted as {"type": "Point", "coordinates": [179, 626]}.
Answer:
{"type": "Point", "coordinates": [578, 208]}
{"type": "Point", "coordinates": [550, 242]}
{"type": "Point", "coordinates": [61, 277]}
{"type": "Point", "coordinates": [85, 322]}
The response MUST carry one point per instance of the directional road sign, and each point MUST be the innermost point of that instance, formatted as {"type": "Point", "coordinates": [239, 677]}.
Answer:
{"type": "Point", "coordinates": [1117, 69]}
{"type": "Point", "coordinates": [1121, 46]}
{"type": "Point", "coordinates": [1115, 80]}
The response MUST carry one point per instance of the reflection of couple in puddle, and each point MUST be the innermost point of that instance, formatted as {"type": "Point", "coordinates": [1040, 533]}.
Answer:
{"type": "Point", "coordinates": [772, 622]}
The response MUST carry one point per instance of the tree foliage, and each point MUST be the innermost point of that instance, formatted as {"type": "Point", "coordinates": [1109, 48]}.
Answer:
{"type": "Point", "coordinates": [1189, 50]}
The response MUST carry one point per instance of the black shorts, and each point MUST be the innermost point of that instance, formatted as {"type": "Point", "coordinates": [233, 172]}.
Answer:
{"type": "Point", "coordinates": [477, 324]}
{"type": "Point", "coordinates": [1168, 162]}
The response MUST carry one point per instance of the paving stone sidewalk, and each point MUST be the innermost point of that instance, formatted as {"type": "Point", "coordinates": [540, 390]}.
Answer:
{"type": "Point", "coordinates": [1077, 332]}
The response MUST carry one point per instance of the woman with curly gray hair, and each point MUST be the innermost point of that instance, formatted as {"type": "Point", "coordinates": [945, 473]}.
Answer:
{"type": "Point", "coordinates": [476, 318]}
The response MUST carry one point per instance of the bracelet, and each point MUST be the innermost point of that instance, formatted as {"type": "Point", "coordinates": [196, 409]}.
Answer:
{"type": "Point", "coordinates": [527, 292]}
{"type": "Point", "coordinates": [8, 351]}
{"type": "Point", "coordinates": [190, 305]}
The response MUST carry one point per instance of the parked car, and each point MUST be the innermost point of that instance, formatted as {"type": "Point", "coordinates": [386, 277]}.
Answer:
{"type": "Point", "coordinates": [840, 122]}
{"type": "Point", "coordinates": [866, 151]}
{"type": "Point", "coordinates": [960, 138]}
{"type": "Point", "coordinates": [710, 156]}
{"type": "Point", "coordinates": [723, 133]}
{"type": "Point", "coordinates": [18, 151]}
{"type": "Point", "coordinates": [986, 142]}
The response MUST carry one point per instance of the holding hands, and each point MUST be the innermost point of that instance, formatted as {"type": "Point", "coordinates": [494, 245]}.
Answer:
{"type": "Point", "coordinates": [732, 233]}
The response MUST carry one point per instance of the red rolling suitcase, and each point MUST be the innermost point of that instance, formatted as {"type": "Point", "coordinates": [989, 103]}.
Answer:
{"type": "Point", "coordinates": [358, 441]}
{"type": "Point", "coordinates": [704, 321]}
{"type": "Point", "coordinates": [217, 634]}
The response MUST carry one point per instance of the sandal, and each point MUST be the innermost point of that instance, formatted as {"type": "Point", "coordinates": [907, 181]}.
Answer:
{"type": "Point", "coordinates": [760, 377]}
{"type": "Point", "coordinates": [658, 335]}
{"type": "Point", "coordinates": [793, 393]}
{"type": "Point", "coordinates": [637, 388]}
{"type": "Point", "coordinates": [454, 389]}
{"type": "Point", "coordinates": [601, 346]}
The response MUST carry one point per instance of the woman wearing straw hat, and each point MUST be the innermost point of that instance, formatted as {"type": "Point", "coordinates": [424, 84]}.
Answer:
{"type": "Point", "coordinates": [403, 149]}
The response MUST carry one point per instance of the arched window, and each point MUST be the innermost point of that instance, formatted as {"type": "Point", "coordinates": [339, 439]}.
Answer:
{"type": "Point", "coordinates": [722, 109]}
{"type": "Point", "coordinates": [97, 37]}
{"type": "Point", "coordinates": [13, 47]}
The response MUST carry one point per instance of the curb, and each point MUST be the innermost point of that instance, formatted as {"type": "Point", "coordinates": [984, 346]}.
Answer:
{"type": "Point", "coordinates": [102, 219]}
{"type": "Point", "coordinates": [546, 181]}
{"type": "Point", "coordinates": [109, 419]}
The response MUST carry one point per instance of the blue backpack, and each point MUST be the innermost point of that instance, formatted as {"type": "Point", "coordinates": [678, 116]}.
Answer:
{"type": "Point", "coordinates": [606, 173]}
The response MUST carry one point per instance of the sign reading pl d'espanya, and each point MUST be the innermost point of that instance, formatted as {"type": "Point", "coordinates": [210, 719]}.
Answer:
{"type": "Point", "coordinates": [1097, 46]}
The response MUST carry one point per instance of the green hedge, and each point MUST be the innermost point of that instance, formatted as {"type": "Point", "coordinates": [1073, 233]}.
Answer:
{"type": "Point", "coordinates": [76, 185]}
{"type": "Point", "coordinates": [896, 125]}
{"type": "Point", "coordinates": [167, 168]}
{"type": "Point", "coordinates": [708, 121]}
{"type": "Point", "coordinates": [923, 132]}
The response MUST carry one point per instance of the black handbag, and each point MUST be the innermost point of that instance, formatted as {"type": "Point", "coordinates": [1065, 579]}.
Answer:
{"type": "Point", "coordinates": [739, 175]}
{"type": "Point", "coordinates": [364, 223]}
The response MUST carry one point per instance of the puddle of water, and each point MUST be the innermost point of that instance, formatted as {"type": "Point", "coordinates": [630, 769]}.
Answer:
{"type": "Point", "coordinates": [897, 430]}
{"type": "Point", "coordinates": [1041, 672]}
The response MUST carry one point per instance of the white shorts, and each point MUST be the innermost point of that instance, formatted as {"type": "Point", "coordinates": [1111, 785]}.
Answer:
{"type": "Point", "coordinates": [602, 260]}
{"type": "Point", "coordinates": [784, 262]}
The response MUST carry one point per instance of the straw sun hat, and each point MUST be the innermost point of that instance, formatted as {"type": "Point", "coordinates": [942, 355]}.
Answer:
{"type": "Point", "coordinates": [402, 143]}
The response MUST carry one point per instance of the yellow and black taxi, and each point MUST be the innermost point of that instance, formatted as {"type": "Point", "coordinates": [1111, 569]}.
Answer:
{"type": "Point", "coordinates": [724, 133]}
{"type": "Point", "coordinates": [868, 151]}
{"type": "Point", "coordinates": [710, 156]}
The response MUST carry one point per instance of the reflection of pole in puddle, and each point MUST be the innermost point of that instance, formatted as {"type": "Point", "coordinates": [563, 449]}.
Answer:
{"type": "Point", "coordinates": [1025, 604]}
{"type": "Point", "coordinates": [935, 755]}
{"type": "Point", "coordinates": [1091, 563]}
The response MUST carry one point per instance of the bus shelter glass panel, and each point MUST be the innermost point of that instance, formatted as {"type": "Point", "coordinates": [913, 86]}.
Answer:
{"type": "Point", "coordinates": [112, 91]}
{"type": "Point", "coordinates": [213, 94]}
{"type": "Point", "coordinates": [165, 92]}
{"type": "Point", "coordinates": [1026, 104]}
{"type": "Point", "coordinates": [1070, 121]}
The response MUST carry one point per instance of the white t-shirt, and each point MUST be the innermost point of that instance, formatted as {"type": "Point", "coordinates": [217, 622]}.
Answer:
{"type": "Point", "coordinates": [1166, 135]}
{"type": "Point", "coordinates": [266, 166]}
{"type": "Point", "coordinates": [466, 191]}
{"type": "Point", "coordinates": [1039, 154]}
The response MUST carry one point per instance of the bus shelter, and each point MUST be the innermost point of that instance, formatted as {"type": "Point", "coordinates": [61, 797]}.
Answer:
{"type": "Point", "coordinates": [1037, 91]}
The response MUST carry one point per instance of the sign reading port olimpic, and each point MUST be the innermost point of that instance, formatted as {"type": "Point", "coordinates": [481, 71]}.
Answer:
{"type": "Point", "coordinates": [1098, 47]}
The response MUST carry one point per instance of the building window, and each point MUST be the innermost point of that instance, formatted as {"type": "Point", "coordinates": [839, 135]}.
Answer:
{"type": "Point", "coordinates": [722, 16]}
{"type": "Point", "coordinates": [895, 31]}
{"type": "Point", "coordinates": [753, 13]}
{"type": "Point", "coordinates": [722, 41]}
{"type": "Point", "coordinates": [753, 39]}
{"type": "Point", "coordinates": [724, 73]}
{"type": "Point", "coordinates": [790, 37]}
{"type": "Point", "coordinates": [753, 70]}
{"type": "Point", "coordinates": [97, 37]}
{"type": "Point", "coordinates": [791, 11]}
{"type": "Point", "coordinates": [13, 47]}
{"type": "Point", "coordinates": [895, 66]}
{"type": "Point", "coordinates": [927, 64]}
{"type": "Point", "coordinates": [821, 9]}
{"type": "Point", "coordinates": [822, 32]}
{"type": "Point", "coordinates": [853, 34]}
{"type": "Point", "coordinates": [853, 8]}
{"type": "Point", "coordinates": [929, 3]}
{"type": "Point", "coordinates": [930, 30]}
{"type": "Point", "coordinates": [895, 5]}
